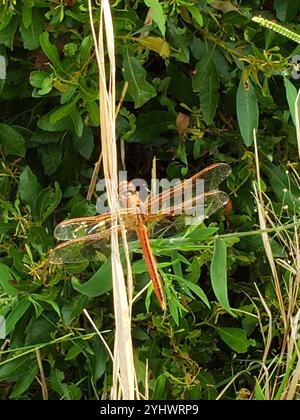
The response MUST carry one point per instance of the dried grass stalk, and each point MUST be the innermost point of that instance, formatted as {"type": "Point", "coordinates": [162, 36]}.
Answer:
{"type": "Point", "coordinates": [124, 378]}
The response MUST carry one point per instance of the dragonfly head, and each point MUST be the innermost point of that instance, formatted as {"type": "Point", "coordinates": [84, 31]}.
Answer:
{"type": "Point", "coordinates": [129, 197]}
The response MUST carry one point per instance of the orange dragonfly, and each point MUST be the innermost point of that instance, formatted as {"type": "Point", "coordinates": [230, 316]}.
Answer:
{"type": "Point", "coordinates": [87, 238]}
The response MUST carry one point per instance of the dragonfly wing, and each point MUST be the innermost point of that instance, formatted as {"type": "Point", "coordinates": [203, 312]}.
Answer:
{"type": "Point", "coordinates": [213, 201]}
{"type": "Point", "coordinates": [88, 248]}
{"type": "Point", "coordinates": [200, 207]}
{"type": "Point", "coordinates": [85, 226]}
{"type": "Point", "coordinates": [80, 227]}
{"type": "Point", "coordinates": [194, 212]}
{"type": "Point", "coordinates": [79, 250]}
{"type": "Point", "coordinates": [204, 181]}
{"type": "Point", "coordinates": [214, 175]}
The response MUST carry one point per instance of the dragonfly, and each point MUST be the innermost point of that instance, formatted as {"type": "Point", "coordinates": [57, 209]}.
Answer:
{"type": "Point", "coordinates": [88, 238]}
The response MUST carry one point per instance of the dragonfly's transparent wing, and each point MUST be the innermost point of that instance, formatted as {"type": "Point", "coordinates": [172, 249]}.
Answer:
{"type": "Point", "coordinates": [213, 175]}
{"type": "Point", "coordinates": [212, 201]}
{"type": "Point", "coordinates": [80, 227]}
{"type": "Point", "coordinates": [204, 181]}
{"type": "Point", "coordinates": [78, 250]}
{"type": "Point", "coordinates": [166, 224]}
{"type": "Point", "coordinates": [88, 248]}
{"type": "Point", "coordinates": [199, 207]}
{"type": "Point", "coordinates": [85, 226]}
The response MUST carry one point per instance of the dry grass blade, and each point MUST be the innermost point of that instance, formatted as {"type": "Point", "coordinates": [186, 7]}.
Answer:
{"type": "Point", "coordinates": [124, 382]}
{"type": "Point", "coordinates": [265, 237]}
{"type": "Point", "coordinates": [280, 376]}
{"type": "Point", "coordinates": [295, 377]}
{"type": "Point", "coordinates": [268, 340]}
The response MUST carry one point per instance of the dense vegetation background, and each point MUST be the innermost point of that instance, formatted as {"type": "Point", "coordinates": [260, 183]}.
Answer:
{"type": "Point", "coordinates": [201, 75]}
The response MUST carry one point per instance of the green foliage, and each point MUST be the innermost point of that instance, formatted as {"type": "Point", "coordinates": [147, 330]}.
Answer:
{"type": "Point", "coordinates": [227, 75]}
{"type": "Point", "coordinates": [247, 110]}
{"type": "Point", "coordinates": [218, 273]}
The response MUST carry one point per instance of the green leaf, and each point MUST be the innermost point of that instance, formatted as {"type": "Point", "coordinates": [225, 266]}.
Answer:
{"type": "Point", "coordinates": [27, 13]}
{"type": "Point", "coordinates": [31, 34]}
{"type": "Point", "coordinates": [67, 94]}
{"type": "Point", "coordinates": [206, 82]}
{"type": "Point", "coordinates": [8, 33]}
{"type": "Point", "coordinates": [85, 49]}
{"type": "Point", "coordinates": [286, 10]}
{"type": "Point", "coordinates": [12, 369]}
{"type": "Point", "coordinates": [93, 111]}
{"type": "Point", "coordinates": [45, 137]}
{"type": "Point", "coordinates": [235, 338]}
{"type": "Point", "coordinates": [157, 13]}
{"type": "Point", "coordinates": [73, 352]}
{"type": "Point", "coordinates": [259, 393]}
{"type": "Point", "coordinates": [47, 201]}
{"type": "Point", "coordinates": [16, 314]}
{"type": "Point", "coordinates": [12, 141]}
{"type": "Point", "coordinates": [98, 359]}
{"type": "Point", "coordinates": [98, 284]}
{"type": "Point", "coordinates": [83, 208]}
{"type": "Point", "coordinates": [37, 78]}
{"type": "Point", "coordinates": [247, 109]}
{"type": "Point", "coordinates": [50, 51]}
{"type": "Point", "coordinates": [195, 12]}
{"type": "Point", "coordinates": [5, 228]}
{"type": "Point", "coordinates": [56, 378]}
{"type": "Point", "coordinates": [51, 155]}
{"type": "Point", "coordinates": [156, 44]}
{"type": "Point", "coordinates": [150, 125]}
{"type": "Point", "coordinates": [6, 277]}
{"type": "Point", "coordinates": [73, 308]}
{"type": "Point", "coordinates": [39, 329]}
{"type": "Point", "coordinates": [172, 298]}
{"type": "Point", "coordinates": [44, 123]}
{"type": "Point", "coordinates": [197, 291]}
{"type": "Point", "coordinates": [29, 187]}
{"type": "Point", "coordinates": [139, 89]}
{"type": "Point", "coordinates": [181, 87]}
{"type": "Point", "coordinates": [218, 273]}
{"type": "Point", "coordinates": [25, 380]}
{"type": "Point", "coordinates": [287, 192]}
{"type": "Point", "coordinates": [160, 384]}
{"type": "Point", "coordinates": [77, 122]}
{"type": "Point", "coordinates": [85, 144]}
{"type": "Point", "coordinates": [75, 392]}
{"type": "Point", "coordinates": [140, 334]}
{"type": "Point", "coordinates": [291, 95]}
{"type": "Point", "coordinates": [6, 14]}
{"type": "Point", "coordinates": [62, 111]}
{"type": "Point", "coordinates": [179, 36]}
{"type": "Point", "coordinates": [193, 270]}
{"type": "Point", "coordinates": [200, 234]}
{"type": "Point", "coordinates": [39, 238]}
{"type": "Point", "coordinates": [46, 85]}
{"type": "Point", "coordinates": [87, 93]}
